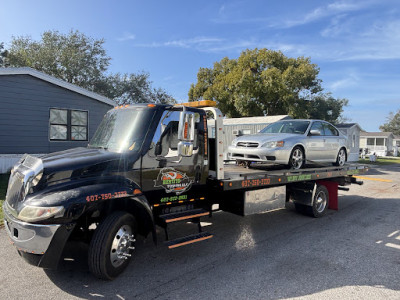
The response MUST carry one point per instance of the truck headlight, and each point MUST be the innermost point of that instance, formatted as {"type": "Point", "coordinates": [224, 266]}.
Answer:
{"type": "Point", "coordinates": [37, 213]}
{"type": "Point", "coordinates": [37, 178]}
{"type": "Point", "coordinates": [277, 144]}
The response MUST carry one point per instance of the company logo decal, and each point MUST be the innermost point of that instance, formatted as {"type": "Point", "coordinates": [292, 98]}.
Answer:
{"type": "Point", "coordinates": [173, 181]}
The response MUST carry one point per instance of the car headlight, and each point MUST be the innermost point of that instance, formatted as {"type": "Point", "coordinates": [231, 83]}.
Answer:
{"type": "Point", "coordinates": [37, 213]}
{"type": "Point", "coordinates": [274, 144]}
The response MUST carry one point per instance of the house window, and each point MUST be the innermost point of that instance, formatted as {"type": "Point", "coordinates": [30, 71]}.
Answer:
{"type": "Point", "coordinates": [370, 141]}
{"type": "Point", "coordinates": [380, 141]}
{"type": "Point", "coordinates": [353, 144]}
{"type": "Point", "coordinates": [68, 125]}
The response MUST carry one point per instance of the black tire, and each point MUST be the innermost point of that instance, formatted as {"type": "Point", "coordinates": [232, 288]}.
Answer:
{"type": "Point", "coordinates": [297, 158]}
{"type": "Point", "coordinates": [320, 203]}
{"type": "Point", "coordinates": [341, 157]}
{"type": "Point", "coordinates": [103, 245]}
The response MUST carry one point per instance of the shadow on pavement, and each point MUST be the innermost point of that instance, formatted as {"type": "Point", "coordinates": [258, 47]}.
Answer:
{"type": "Point", "coordinates": [283, 254]}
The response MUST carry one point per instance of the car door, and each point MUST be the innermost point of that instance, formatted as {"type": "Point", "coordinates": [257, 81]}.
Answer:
{"type": "Point", "coordinates": [316, 142]}
{"type": "Point", "coordinates": [332, 141]}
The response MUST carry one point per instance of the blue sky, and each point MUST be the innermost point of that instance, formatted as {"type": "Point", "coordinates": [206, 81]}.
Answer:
{"type": "Point", "coordinates": [355, 43]}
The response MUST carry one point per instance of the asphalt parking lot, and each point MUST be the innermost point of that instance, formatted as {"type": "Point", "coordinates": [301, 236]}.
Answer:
{"type": "Point", "coordinates": [350, 253]}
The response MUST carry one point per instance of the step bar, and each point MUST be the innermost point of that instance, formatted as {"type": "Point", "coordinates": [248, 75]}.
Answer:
{"type": "Point", "coordinates": [194, 238]}
{"type": "Point", "coordinates": [181, 216]}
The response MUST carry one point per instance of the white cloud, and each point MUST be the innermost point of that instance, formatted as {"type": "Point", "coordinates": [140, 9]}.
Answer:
{"type": "Point", "coordinates": [223, 45]}
{"type": "Point", "coordinates": [348, 81]}
{"type": "Point", "coordinates": [127, 36]}
{"type": "Point", "coordinates": [196, 43]}
{"type": "Point", "coordinates": [338, 7]}
{"type": "Point", "coordinates": [380, 40]}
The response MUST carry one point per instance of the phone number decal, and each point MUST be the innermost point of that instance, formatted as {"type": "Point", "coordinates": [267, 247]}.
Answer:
{"type": "Point", "coordinates": [106, 196]}
{"type": "Point", "coordinates": [255, 182]}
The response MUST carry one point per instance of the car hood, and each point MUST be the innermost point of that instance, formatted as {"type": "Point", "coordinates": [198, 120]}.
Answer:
{"type": "Point", "coordinates": [266, 137]}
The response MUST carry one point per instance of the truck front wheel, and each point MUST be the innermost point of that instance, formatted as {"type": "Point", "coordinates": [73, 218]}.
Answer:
{"type": "Point", "coordinates": [111, 247]}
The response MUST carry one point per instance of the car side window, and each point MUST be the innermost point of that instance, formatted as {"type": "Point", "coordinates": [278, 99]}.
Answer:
{"type": "Point", "coordinates": [318, 126]}
{"type": "Point", "coordinates": [330, 130]}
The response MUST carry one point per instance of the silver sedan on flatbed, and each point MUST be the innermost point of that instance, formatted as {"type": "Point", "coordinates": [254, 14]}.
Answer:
{"type": "Point", "coordinates": [292, 142]}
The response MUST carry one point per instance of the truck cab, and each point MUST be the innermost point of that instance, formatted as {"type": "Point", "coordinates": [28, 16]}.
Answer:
{"type": "Point", "coordinates": [144, 160]}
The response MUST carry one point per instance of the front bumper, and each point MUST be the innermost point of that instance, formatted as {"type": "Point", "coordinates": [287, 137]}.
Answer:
{"type": "Point", "coordinates": [40, 245]}
{"type": "Point", "coordinates": [276, 155]}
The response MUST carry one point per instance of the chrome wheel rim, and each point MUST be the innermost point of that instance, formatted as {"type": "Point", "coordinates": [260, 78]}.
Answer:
{"type": "Point", "coordinates": [121, 245]}
{"type": "Point", "coordinates": [297, 159]}
{"type": "Point", "coordinates": [341, 157]}
{"type": "Point", "coordinates": [321, 202]}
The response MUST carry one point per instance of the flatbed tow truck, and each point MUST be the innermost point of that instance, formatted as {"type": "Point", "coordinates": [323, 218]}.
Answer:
{"type": "Point", "coordinates": [148, 165]}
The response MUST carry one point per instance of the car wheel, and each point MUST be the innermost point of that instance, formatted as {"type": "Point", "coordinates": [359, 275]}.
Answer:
{"type": "Point", "coordinates": [297, 158]}
{"type": "Point", "coordinates": [341, 157]}
{"type": "Point", "coordinates": [111, 247]}
{"type": "Point", "coordinates": [320, 204]}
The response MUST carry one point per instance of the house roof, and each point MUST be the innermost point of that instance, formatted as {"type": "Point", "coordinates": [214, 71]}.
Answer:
{"type": "Point", "coordinates": [255, 120]}
{"type": "Point", "coordinates": [376, 134]}
{"type": "Point", "coordinates": [347, 125]}
{"type": "Point", "coordinates": [56, 81]}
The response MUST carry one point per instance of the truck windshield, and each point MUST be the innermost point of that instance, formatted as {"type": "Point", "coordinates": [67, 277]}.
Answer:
{"type": "Point", "coordinates": [298, 127]}
{"type": "Point", "coordinates": [122, 130]}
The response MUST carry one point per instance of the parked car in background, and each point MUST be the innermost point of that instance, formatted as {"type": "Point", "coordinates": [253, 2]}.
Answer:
{"type": "Point", "coordinates": [293, 143]}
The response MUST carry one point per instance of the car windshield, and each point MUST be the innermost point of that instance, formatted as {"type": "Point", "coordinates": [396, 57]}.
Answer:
{"type": "Point", "coordinates": [123, 129]}
{"type": "Point", "coordinates": [296, 127]}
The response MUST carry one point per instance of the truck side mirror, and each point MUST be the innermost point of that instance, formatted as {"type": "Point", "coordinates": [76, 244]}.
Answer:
{"type": "Point", "coordinates": [158, 149]}
{"type": "Point", "coordinates": [186, 133]}
{"type": "Point", "coordinates": [186, 126]}
{"type": "Point", "coordinates": [185, 148]}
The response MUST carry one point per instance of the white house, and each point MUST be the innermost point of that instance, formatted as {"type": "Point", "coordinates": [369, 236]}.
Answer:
{"type": "Point", "coordinates": [396, 145]}
{"type": "Point", "coordinates": [380, 143]}
{"type": "Point", "coordinates": [352, 131]}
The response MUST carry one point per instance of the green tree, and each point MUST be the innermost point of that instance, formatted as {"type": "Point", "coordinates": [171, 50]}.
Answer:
{"type": "Point", "coordinates": [265, 82]}
{"type": "Point", "coordinates": [127, 88]}
{"type": "Point", "coordinates": [3, 55]}
{"type": "Point", "coordinates": [325, 107]}
{"type": "Point", "coordinates": [72, 57]}
{"type": "Point", "coordinates": [392, 124]}
{"type": "Point", "coordinates": [82, 60]}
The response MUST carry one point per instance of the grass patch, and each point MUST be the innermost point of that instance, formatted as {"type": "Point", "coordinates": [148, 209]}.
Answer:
{"type": "Point", "coordinates": [3, 189]}
{"type": "Point", "coordinates": [381, 161]}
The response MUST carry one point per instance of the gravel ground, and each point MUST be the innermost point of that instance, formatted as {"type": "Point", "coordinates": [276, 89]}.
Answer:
{"type": "Point", "coordinates": [350, 253]}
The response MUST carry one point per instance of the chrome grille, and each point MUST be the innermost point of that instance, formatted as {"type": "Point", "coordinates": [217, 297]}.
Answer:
{"type": "Point", "coordinates": [15, 190]}
{"type": "Point", "coordinates": [247, 144]}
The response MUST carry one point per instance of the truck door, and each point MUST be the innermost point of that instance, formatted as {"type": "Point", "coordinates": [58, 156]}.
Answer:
{"type": "Point", "coordinates": [167, 176]}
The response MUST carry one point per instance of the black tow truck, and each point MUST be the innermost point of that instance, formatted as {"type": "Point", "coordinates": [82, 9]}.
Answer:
{"type": "Point", "coordinates": [147, 165]}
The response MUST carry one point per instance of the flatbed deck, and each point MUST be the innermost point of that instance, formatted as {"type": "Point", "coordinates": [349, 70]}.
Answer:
{"type": "Point", "coordinates": [237, 177]}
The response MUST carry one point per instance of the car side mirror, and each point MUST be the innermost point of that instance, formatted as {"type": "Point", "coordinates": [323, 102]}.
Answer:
{"type": "Point", "coordinates": [315, 132]}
